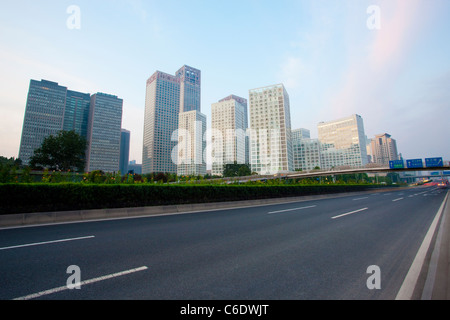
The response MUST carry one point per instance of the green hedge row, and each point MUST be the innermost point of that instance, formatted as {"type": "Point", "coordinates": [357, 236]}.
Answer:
{"type": "Point", "coordinates": [25, 198]}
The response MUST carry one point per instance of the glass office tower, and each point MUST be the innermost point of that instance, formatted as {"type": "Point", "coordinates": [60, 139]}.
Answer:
{"type": "Point", "coordinates": [44, 116]}
{"type": "Point", "coordinates": [104, 132]}
{"type": "Point", "coordinates": [167, 96]}
{"type": "Point", "coordinates": [190, 88]}
{"type": "Point", "coordinates": [52, 108]}
{"type": "Point", "coordinates": [162, 107]}
{"type": "Point", "coordinates": [124, 151]}
{"type": "Point", "coordinates": [343, 142]}
{"type": "Point", "coordinates": [76, 113]}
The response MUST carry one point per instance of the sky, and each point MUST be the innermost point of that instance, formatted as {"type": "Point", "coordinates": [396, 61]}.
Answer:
{"type": "Point", "coordinates": [386, 60]}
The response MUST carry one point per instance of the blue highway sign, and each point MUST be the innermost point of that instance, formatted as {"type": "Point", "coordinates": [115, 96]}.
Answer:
{"type": "Point", "coordinates": [414, 163]}
{"type": "Point", "coordinates": [434, 162]}
{"type": "Point", "coordinates": [396, 164]}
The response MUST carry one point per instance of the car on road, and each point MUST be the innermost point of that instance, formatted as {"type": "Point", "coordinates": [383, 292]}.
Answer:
{"type": "Point", "coordinates": [443, 184]}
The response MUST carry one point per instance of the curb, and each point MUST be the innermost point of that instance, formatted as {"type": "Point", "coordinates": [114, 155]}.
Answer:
{"type": "Point", "coordinates": [438, 277]}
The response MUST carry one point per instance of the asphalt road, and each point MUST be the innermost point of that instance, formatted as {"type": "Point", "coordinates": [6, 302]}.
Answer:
{"type": "Point", "coordinates": [317, 249]}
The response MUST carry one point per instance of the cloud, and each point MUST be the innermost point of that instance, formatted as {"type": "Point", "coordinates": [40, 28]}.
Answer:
{"type": "Point", "coordinates": [371, 76]}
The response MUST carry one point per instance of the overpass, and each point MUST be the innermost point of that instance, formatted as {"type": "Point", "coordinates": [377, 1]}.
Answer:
{"type": "Point", "coordinates": [365, 170]}
{"type": "Point", "coordinates": [335, 172]}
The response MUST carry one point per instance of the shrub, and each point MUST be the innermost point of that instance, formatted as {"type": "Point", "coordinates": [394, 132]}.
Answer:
{"type": "Point", "coordinates": [23, 198]}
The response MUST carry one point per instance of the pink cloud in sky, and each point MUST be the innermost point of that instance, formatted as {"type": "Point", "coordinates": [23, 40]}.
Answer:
{"type": "Point", "coordinates": [369, 78]}
{"type": "Point", "coordinates": [398, 21]}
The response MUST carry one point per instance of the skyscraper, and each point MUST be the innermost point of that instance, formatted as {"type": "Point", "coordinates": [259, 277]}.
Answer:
{"type": "Point", "coordinates": [270, 130]}
{"type": "Point", "coordinates": [229, 125]}
{"type": "Point", "coordinates": [124, 151]}
{"type": "Point", "coordinates": [52, 108]}
{"type": "Point", "coordinates": [191, 125]}
{"type": "Point", "coordinates": [167, 96]}
{"type": "Point", "coordinates": [44, 116]}
{"type": "Point", "coordinates": [191, 143]}
{"type": "Point", "coordinates": [104, 131]}
{"type": "Point", "coordinates": [162, 108]}
{"type": "Point", "coordinates": [384, 149]}
{"type": "Point", "coordinates": [190, 88]}
{"type": "Point", "coordinates": [343, 142]}
{"type": "Point", "coordinates": [76, 114]}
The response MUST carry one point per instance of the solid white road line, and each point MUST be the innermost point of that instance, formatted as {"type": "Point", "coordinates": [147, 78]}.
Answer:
{"type": "Point", "coordinates": [360, 198]}
{"type": "Point", "coordinates": [349, 213]}
{"type": "Point", "coordinates": [56, 290]}
{"type": "Point", "coordinates": [295, 209]}
{"type": "Point", "coordinates": [407, 289]}
{"type": "Point", "coordinates": [46, 242]}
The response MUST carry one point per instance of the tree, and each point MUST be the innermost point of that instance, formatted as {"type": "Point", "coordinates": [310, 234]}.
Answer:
{"type": "Point", "coordinates": [236, 170]}
{"type": "Point", "coordinates": [244, 171]}
{"type": "Point", "coordinates": [65, 152]}
{"type": "Point", "coordinates": [8, 169]}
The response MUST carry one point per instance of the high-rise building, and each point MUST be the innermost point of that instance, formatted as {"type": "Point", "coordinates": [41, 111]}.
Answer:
{"type": "Point", "coordinates": [44, 116]}
{"type": "Point", "coordinates": [307, 154]}
{"type": "Point", "coordinates": [299, 134]}
{"type": "Point", "coordinates": [306, 151]}
{"type": "Point", "coordinates": [191, 125]}
{"type": "Point", "coordinates": [270, 130]}
{"type": "Point", "coordinates": [384, 149]}
{"type": "Point", "coordinates": [162, 107]}
{"type": "Point", "coordinates": [104, 132]}
{"type": "Point", "coordinates": [369, 150]}
{"type": "Point", "coordinates": [190, 88]}
{"type": "Point", "coordinates": [229, 127]}
{"type": "Point", "coordinates": [76, 114]}
{"type": "Point", "coordinates": [52, 108]}
{"type": "Point", "coordinates": [191, 143]}
{"type": "Point", "coordinates": [124, 151]}
{"type": "Point", "coordinates": [166, 97]}
{"type": "Point", "coordinates": [343, 142]}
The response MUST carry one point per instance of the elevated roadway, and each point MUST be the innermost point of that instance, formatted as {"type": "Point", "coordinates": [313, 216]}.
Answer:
{"type": "Point", "coordinates": [325, 173]}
